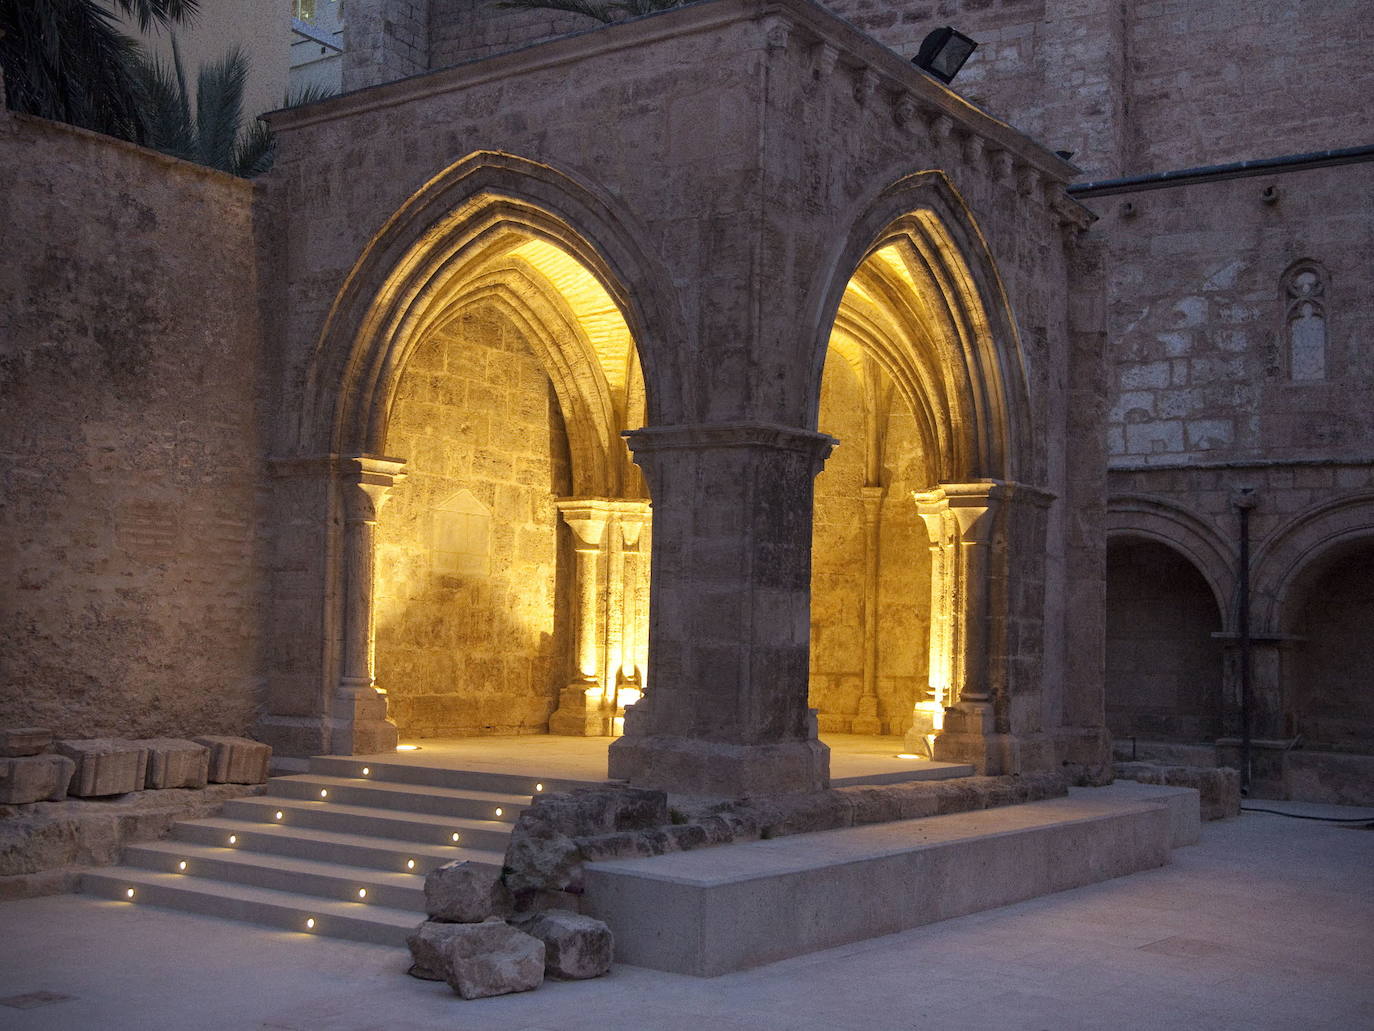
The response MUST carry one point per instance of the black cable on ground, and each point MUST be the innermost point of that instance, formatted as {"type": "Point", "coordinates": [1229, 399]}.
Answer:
{"type": "Point", "coordinates": [1301, 816]}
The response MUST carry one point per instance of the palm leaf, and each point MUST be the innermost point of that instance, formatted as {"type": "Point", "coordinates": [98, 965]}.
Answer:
{"type": "Point", "coordinates": [219, 109]}
{"type": "Point", "coordinates": [591, 8]}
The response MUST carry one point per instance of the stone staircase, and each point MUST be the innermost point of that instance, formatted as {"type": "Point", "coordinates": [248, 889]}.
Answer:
{"type": "Point", "coordinates": [340, 851]}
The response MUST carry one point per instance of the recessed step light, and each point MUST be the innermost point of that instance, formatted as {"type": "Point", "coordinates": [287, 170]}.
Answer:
{"type": "Point", "coordinates": [324, 793]}
{"type": "Point", "coordinates": [128, 893]}
{"type": "Point", "coordinates": [182, 866]}
{"type": "Point", "coordinates": [410, 864]}
{"type": "Point", "coordinates": [310, 923]}
{"type": "Point", "coordinates": [362, 893]}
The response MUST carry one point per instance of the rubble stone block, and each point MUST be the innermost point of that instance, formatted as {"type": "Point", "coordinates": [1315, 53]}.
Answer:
{"type": "Point", "coordinates": [35, 778]}
{"type": "Point", "coordinates": [493, 958]}
{"type": "Point", "coordinates": [24, 741]}
{"type": "Point", "coordinates": [175, 763]}
{"type": "Point", "coordinates": [106, 766]}
{"type": "Point", "coordinates": [1218, 786]}
{"type": "Point", "coordinates": [429, 947]}
{"type": "Point", "coordinates": [465, 893]}
{"type": "Point", "coordinates": [575, 947]}
{"type": "Point", "coordinates": [237, 760]}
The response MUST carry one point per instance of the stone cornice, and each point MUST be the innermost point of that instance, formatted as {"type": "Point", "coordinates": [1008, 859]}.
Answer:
{"type": "Point", "coordinates": [786, 25]}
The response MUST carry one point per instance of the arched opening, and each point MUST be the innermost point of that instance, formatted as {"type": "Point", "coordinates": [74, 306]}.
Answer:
{"type": "Point", "coordinates": [1164, 664]}
{"type": "Point", "coordinates": [922, 384]}
{"type": "Point", "coordinates": [509, 597]}
{"type": "Point", "coordinates": [1328, 697]}
{"type": "Point", "coordinates": [473, 382]}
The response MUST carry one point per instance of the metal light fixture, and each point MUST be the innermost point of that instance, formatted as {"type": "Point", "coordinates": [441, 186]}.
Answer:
{"type": "Point", "coordinates": [943, 52]}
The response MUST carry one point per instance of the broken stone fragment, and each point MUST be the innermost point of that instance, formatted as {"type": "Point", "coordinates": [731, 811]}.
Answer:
{"type": "Point", "coordinates": [24, 741]}
{"type": "Point", "coordinates": [493, 959]}
{"type": "Point", "coordinates": [429, 945]}
{"type": "Point", "coordinates": [464, 892]}
{"type": "Point", "coordinates": [106, 766]}
{"type": "Point", "coordinates": [35, 778]}
{"type": "Point", "coordinates": [237, 760]}
{"type": "Point", "coordinates": [175, 763]}
{"type": "Point", "coordinates": [575, 947]}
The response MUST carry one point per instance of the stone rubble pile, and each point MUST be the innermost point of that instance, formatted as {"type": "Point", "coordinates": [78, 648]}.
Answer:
{"type": "Point", "coordinates": [35, 768]}
{"type": "Point", "coordinates": [478, 942]}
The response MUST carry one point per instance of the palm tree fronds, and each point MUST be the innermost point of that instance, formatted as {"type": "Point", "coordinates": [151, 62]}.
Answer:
{"type": "Point", "coordinates": [162, 13]}
{"type": "Point", "coordinates": [219, 108]}
{"type": "Point", "coordinates": [591, 8]}
{"type": "Point", "coordinates": [255, 151]}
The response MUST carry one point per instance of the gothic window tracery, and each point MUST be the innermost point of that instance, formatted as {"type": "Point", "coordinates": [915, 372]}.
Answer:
{"type": "Point", "coordinates": [1304, 293]}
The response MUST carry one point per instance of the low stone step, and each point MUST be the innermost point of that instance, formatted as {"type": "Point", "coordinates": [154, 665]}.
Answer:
{"type": "Point", "coordinates": [410, 798]}
{"type": "Point", "coordinates": [717, 910]}
{"type": "Point", "coordinates": [287, 910]}
{"type": "Point", "coordinates": [435, 777]}
{"type": "Point", "coordinates": [372, 822]}
{"type": "Point", "coordinates": [308, 843]}
{"type": "Point", "coordinates": [264, 870]}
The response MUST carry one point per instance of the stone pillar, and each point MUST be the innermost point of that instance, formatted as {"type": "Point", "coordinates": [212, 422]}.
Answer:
{"type": "Point", "coordinates": [726, 711]}
{"type": "Point", "coordinates": [970, 513]}
{"type": "Point", "coordinates": [358, 723]}
{"type": "Point", "coordinates": [867, 721]}
{"type": "Point", "coordinates": [629, 679]}
{"type": "Point", "coordinates": [582, 704]}
{"type": "Point", "coordinates": [928, 719]}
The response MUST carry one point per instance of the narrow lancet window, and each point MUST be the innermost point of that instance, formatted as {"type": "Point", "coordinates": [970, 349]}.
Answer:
{"type": "Point", "coordinates": [1305, 298]}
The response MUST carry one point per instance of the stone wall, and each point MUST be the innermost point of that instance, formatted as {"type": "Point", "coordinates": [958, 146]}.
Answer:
{"type": "Point", "coordinates": [467, 553]}
{"type": "Point", "coordinates": [129, 400]}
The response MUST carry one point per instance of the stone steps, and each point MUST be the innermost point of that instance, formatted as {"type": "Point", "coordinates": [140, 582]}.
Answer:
{"type": "Point", "coordinates": [346, 845]}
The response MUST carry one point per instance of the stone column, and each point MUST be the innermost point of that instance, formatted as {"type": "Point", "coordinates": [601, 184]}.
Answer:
{"type": "Point", "coordinates": [582, 704]}
{"type": "Point", "coordinates": [928, 719]}
{"type": "Point", "coordinates": [867, 721]}
{"type": "Point", "coordinates": [629, 680]}
{"type": "Point", "coordinates": [970, 512]}
{"type": "Point", "coordinates": [358, 723]}
{"type": "Point", "coordinates": [726, 711]}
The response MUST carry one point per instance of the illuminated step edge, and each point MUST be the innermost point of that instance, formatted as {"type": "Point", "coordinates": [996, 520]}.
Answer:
{"type": "Point", "coordinates": [285, 910]}
{"type": "Point", "coordinates": [429, 776]}
{"type": "Point", "coordinates": [410, 798]}
{"type": "Point", "coordinates": [373, 822]}
{"type": "Point", "coordinates": [358, 850]}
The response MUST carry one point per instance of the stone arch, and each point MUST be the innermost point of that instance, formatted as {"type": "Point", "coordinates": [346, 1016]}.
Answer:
{"type": "Point", "coordinates": [466, 208]}
{"type": "Point", "coordinates": [958, 351]}
{"type": "Point", "coordinates": [1294, 546]}
{"type": "Point", "coordinates": [1146, 517]}
{"type": "Point", "coordinates": [913, 289]}
{"type": "Point", "coordinates": [559, 264]}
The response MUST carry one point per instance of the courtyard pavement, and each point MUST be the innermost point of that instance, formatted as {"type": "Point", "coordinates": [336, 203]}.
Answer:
{"type": "Point", "coordinates": [1268, 923]}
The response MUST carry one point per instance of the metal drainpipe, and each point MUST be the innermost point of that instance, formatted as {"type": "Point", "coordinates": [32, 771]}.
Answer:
{"type": "Point", "coordinates": [1244, 501]}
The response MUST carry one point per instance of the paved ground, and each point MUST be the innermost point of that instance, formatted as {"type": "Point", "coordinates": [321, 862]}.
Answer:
{"type": "Point", "coordinates": [853, 757]}
{"type": "Point", "coordinates": [1268, 923]}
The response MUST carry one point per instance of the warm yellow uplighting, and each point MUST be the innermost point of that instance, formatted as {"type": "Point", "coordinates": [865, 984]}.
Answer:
{"type": "Point", "coordinates": [310, 923]}
{"type": "Point", "coordinates": [909, 755]}
{"type": "Point", "coordinates": [129, 893]}
{"type": "Point", "coordinates": [362, 893]}
{"type": "Point", "coordinates": [617, 726]}
{"type": "Point", "coordinates": [182, 865]}
{"type": "Point", "coordinates": [410, 864]}
{"type": "Point", "coordinates": [407, 748]}
{"type": "Point", "coordinates": [629, 695]}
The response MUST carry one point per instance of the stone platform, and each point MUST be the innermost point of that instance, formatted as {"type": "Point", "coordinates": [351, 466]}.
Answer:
{"type": "Point", "coordinates": [720, 910]}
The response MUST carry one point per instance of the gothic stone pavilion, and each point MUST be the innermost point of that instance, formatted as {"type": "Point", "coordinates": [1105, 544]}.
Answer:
{"type": "Point", "coordinates": [495, 409]}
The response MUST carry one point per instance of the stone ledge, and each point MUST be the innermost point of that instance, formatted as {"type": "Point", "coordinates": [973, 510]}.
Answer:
{"type": "Point", "coordinates": [46, 837]}
{"type": "Point", "coordinates": [1219, 786]}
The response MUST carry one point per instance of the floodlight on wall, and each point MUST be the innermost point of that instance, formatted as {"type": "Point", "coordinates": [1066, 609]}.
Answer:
{"type": "Point", "coordinates": [943, 52]}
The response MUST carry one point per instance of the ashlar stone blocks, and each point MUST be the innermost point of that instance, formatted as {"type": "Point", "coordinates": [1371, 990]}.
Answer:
{"type": "Point", "coordinates": [176, 763]}
{"type": "Point", "coordinates": [237, 760]}
{"type": "Point", "coordinates": [25, 741]}
{"type": "Point", "coordinates": [106, 766]}
{"type": "Point", "coordinates": [35, 778]}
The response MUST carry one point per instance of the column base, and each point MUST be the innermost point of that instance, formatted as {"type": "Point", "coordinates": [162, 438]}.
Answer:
{"type": "Point", "coordinates": [969, 737]}
{"type": "Point", "coordinates": [691, 766]}
{"type": "Point", "coordinates": [927, 720]}
{"type": "Point", "coordinates": [578, 715]}
{"type": "Point", "coordinates": [358, 724]}
{"type": "Point", "coordinates": [866, 721]}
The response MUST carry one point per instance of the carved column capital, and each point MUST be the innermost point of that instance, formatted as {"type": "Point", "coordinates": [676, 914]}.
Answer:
{"type": "Point", "coordinates": [367, 482]}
